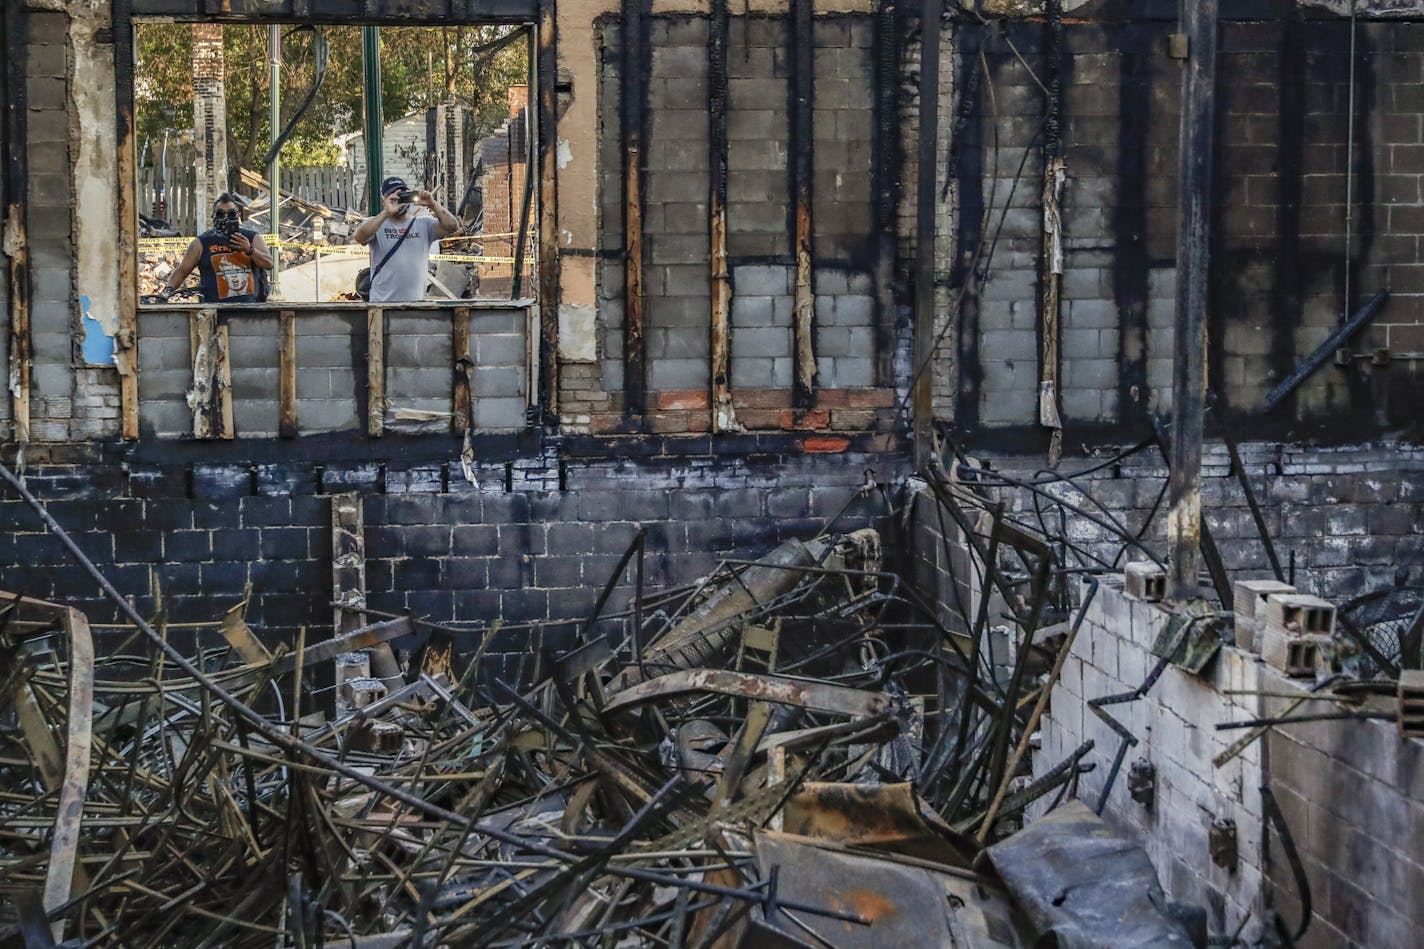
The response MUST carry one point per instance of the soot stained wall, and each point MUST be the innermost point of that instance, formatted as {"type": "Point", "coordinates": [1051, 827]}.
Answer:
{"type": "Point", "coordinates": [533, 540]}
{"type": "Point", "coordinates": [1279, 266]}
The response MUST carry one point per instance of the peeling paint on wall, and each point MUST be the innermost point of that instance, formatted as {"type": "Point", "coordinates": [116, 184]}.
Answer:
{"type": "Point", "coordinates": [98, 341]}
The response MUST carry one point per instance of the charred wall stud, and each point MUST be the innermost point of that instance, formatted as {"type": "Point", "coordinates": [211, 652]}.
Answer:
{"type": "Point", "coordinates": [923, 383]}
{"type": "Point", "coordinates": [287, 374]}
{"type": "Point", "coordinates": [460, 391]}
{"type": "Point", "coordinates": [1051, 260]}
{"type": "Point", "coordinates": [1189, 339]}
{"type": "Point", "coordinates": [126, 341]}
{"type": "Point", "coordinates": [16, 194]}
{"type": "Point", "coordinates": [723, 412]}
{"type": "Point", "coordinates": [548, 209]}
{"type": "Point", "coordinates": [633, 100]}
{"type": "Point", "coordinates": [884, 185]}
{"type": "Point", "coordinates": [803, 165]}
{"type": "Point", "coordinates": [376, 372]}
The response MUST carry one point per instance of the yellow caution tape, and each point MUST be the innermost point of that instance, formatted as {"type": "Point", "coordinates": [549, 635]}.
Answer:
{"type": "Point", "coordinates": [157, 243]}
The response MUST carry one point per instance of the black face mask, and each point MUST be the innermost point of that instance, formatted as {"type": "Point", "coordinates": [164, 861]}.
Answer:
{"type": "Point", "coordinates": [226, 222]}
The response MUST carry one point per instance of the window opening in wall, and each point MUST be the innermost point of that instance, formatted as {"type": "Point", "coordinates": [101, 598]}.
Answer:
{"type": "Point", "coordinates": [456, 129]}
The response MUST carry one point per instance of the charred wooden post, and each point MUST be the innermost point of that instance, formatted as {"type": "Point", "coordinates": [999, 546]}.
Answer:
{"type": "Point", "coordinates": [724, 416]}
{"type": "Point", "coordinates": [16, 199]}
{"type": "Point", "coordinates": [923, 392]}
{"type": "Point", "coordinates": [375, 372]}
{"type": "Point", "coordinates": [548, 210]}
{"type": "Point", "coordinates": [287, 374]}
{"type": "Point", "coordinates": [126, 340]}
{"type": "Point", "coordinates": [803, 42]}
{"type": "Point", "coordinates": [885, 186]}
{"type": "Point", "coordinates": [633, 94]}
{"type": "Point", "coordinates": [210, 394]}
{"type": "Point", "coordinates": [1051, 260]}
{"type": "Point", "coordinates": [460, 392]}
{"type": "Point", "coordinates": [1189, 339]}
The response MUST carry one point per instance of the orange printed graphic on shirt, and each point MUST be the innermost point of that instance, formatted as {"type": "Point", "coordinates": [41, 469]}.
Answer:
{"type": "Point", "coordinates": [233, 272]}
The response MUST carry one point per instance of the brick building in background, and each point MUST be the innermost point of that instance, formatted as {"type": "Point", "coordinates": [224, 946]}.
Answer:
{"type": "Point", "coordinates": [502, 172]}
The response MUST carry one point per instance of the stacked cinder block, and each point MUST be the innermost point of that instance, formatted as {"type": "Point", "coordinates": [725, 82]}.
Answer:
{"type": "Point", "coordinates": [677, 297]}
{"type": "Point", "coordinates": [1175, 726]}
{"type": "Point", "coordinates": [49, 223]}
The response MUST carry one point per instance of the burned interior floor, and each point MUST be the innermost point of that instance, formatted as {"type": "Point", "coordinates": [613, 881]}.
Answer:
{"type": "Point", "coordinates": [941, 473]}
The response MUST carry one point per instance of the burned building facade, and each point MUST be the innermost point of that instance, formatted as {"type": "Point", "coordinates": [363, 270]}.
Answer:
{"type": "Point", "coordinates": [784, 251]}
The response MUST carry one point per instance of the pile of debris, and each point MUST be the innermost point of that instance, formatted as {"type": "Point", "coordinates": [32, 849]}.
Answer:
{"type": "Point", "coordinates": [155, 267]}
{"type": "Point", "coordinates": [797, 751]}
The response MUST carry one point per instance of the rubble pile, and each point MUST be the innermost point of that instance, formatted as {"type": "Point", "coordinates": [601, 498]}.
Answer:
{"type": "Point", "coordinates": [796, 751]}
{"type": "Point", "coordinates": [154, 269]}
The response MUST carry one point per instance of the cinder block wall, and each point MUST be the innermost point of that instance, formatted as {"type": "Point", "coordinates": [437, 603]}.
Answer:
{"type": "Point", "coordinates": [1352, 792]}
{"type": "Point", "coordinates": [331, 353]}
{"type": "Point", "coordinates": [1351, 517]}
{"type": "Point", "coordinates": [1279, 269]}
{"type": "Point", "coordinates": [534, 539]}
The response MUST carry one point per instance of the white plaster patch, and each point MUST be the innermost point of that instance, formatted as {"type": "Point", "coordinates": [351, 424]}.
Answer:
{"type": "Point", "coordinates": [94, 140]}
{"type": "Point", "coordinates": [577, 333]}
{"type": "Point", "coordinates": [563, 155]}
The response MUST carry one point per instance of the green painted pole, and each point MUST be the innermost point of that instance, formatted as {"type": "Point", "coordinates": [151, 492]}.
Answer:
{"type": "Point", "coordinates": [371, 62]}
{"type": "Point", "coordinates": [274, 119]}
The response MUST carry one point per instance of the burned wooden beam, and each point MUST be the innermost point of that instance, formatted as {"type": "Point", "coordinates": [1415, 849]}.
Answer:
{"type": "Point", "coordinates": [1055, 176]}
{"type": "Point", "coordinates": [460, 389]}
{"type": "Point", "coordinates": [724, 416]}
{"type": "Point", "coordinates": [633, 95]}
{"type": "Point", "coordinates": [287, 374]}
{"type": "Point", "coordinates": [15, 243]}
{"type": "Point", "coordinates": [210, 392]}
{"type": "Point", "coordinates": [1184, 523]}
{"type": "Point", "coordinates": [885, 183]}
{"type": "Point", "coordinates": [126, 340]}
{"type": "Point", "coordinates": [548, 209]}
{"type": "Point", "coordinates": [922, 391]}
{"type": "Point", "coordinates": [803, 45]}
{"type": "Point", "coordinates": [375, 372]}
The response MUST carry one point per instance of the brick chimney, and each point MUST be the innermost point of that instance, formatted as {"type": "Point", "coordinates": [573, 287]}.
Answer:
{"type": "Point", "coordinates": [518, 100]}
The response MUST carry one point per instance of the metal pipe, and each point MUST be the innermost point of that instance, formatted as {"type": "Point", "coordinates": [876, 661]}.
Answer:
{"type": "Point", "coordinates": [274, 124]}
{"type": "Point", "coordinates": [1198, 23]}
{"type": "Point", "coordinates": [374, 124]}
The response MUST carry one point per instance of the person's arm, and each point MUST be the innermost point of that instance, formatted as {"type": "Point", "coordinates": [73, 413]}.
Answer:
{"type": "Point", "coordinates": [185, 267]}
{"type": "Point", "coordinates": [256, 249]}
{"type": "Point", "coordinates": [367, 229]}
{"type": "Point", "coordinates": [445, 222]}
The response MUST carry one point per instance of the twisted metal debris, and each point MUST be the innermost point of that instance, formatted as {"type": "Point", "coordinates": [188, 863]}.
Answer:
{"type": "Point", "coordinates": [800, 748]}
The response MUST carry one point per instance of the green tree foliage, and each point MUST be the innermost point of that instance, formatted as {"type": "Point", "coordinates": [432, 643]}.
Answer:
{"type": "Point", "coordinates": [421, 67]}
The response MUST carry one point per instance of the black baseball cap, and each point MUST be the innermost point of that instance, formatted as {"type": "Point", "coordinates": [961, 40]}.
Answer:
{"type": "Point", "coordinates": [393, 183]}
